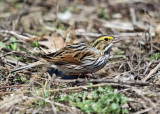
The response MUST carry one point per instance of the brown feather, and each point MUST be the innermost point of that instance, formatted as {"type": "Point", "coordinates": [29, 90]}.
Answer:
{"type": "Point", "coordinates": [67, 56]}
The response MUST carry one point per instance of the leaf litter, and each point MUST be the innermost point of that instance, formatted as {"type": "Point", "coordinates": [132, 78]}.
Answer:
{"type": "Point", "coordinates": [39, 27]}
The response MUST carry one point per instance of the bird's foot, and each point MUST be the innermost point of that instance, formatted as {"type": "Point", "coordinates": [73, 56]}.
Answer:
{"type": "Point", "coordinates": [88, 76]}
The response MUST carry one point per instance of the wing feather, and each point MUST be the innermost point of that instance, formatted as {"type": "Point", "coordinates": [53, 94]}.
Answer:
{"type": "Point", "coordinates": [72, 54]}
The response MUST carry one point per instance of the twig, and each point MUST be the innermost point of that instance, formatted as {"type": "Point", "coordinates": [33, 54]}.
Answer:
{"type": "Point", "coordinates": [15, 34]}
{"type": "Point", "coordinates": [10, 59]}
{"type": "Point", "coordinates": [149, 64]}
{"type": "Point", "coordinates": [11, 52]}
{"type": "Point", "coordinates": [4, 87]}
{"type": "Point", "coordinates": [117, 81]}
{"type": "Point", "coordinates": [133, 15]}
{"type": "Point", "coordinates": [65, 106]}
{"type": "Point", "coordinates": [143, 111]}
{"type": "Point", "coordinates": [20, 53]}
{"type": "Point", "coordinates": [150, 73]}
{"type": "Point", "coordinates": [65, 81]}
{"type": "Point", "coordinates": [156, 47]}
{"type": "Point", "coordinates": [108, 81]}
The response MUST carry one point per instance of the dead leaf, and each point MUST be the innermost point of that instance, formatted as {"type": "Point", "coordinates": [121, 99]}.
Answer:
{"type": "Point", "coordinates": [52, 41]}
{"type": "Point", "coordinates": [157, 35]}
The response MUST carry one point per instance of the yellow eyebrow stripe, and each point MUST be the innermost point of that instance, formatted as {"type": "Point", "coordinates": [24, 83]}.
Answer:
{"type": "Point", "coordinates": [109, 37]}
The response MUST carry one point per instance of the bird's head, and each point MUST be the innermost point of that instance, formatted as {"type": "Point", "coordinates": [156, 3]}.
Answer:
{"type": "Point", "coordinates": [104, 42]}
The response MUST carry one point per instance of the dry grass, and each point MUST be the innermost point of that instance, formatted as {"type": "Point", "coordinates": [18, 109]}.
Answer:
{"type": "Point", "coordinates": [29, 29]}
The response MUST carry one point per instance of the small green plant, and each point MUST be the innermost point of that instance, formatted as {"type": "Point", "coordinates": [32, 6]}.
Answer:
{"type": "Point", "coordinates": [18, 78]}
{"type": "Point", "coordinates": [13, 45]}
{"type": "Point", "coordinates": [35, 43]}
{"type": "Point", "coordinates": [44, 94]}
{"type": "Point", "coordinates": [3, 45]}
{"type": "Point", "coordinates": [102, 101]}
{"type": "Point", "coordinates": [120, 52]}
{"type": "Point", "coordinates": [19, 58]}
{"type": "Point", "coordinates": [1, 3]}
{"type": "Point", "coordinates": [155, 56]}
{"type": "Point", "coordinates": [103, 14]}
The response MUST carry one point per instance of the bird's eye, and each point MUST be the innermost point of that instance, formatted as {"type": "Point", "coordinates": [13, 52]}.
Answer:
{"type": "Point", "coordinates": [106, 39]}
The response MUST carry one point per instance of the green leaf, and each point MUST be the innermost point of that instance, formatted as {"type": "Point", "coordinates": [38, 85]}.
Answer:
{"type": "Point", "coordinates": [100, 89]}
{"type": "Point", "coordinates": [13, 46]}
{"type": "Point", "coordinates": [125, 111]}
{"type": "Point", "coordinates": [155, 56]}
{"type": "Point", "coordinates": [101, 100]}
{"type": "Point", "coordinates": [120, 53]}
{"type": "Point", "coordinates": [90, 84]}
{"type": "Point", "coordinates": [36, 43]}
{"type": "Point", "coordinates": [12, 39]}
{"type": "Point", "coordinates": [114, 106]}
{"type": "Point", "coordinates": [2, 44]}
{"type": "Point", "coordinates": [103, 14]}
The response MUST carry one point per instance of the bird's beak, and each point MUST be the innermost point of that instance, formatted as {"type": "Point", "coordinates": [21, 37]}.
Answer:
{"type": "Point", "coordinates": [116, 39]}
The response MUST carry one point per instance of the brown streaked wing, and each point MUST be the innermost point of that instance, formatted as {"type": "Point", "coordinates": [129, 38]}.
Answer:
{"type": "Point", "coordinates": [68, 55]}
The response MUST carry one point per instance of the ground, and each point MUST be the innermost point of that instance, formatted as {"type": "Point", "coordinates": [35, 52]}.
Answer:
{"type": "Point", "coordinates": [129, 83]}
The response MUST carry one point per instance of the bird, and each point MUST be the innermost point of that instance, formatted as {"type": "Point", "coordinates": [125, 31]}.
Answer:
{"type": "Point", "coordinates": [82, 58]}
{"type": "Point", "coordinates": [79, 58]}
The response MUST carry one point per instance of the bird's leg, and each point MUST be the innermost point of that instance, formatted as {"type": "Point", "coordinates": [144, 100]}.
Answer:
{"type": "Point", "coordinates": [87, 75]}
{"type": "Point", "coordinates": [52, 79]}
{"type": "Point", "coordinates": [91, 76]}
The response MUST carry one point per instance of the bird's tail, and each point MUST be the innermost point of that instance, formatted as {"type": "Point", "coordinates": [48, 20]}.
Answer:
{"type": "Point", "coordinates": [41, 62]}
